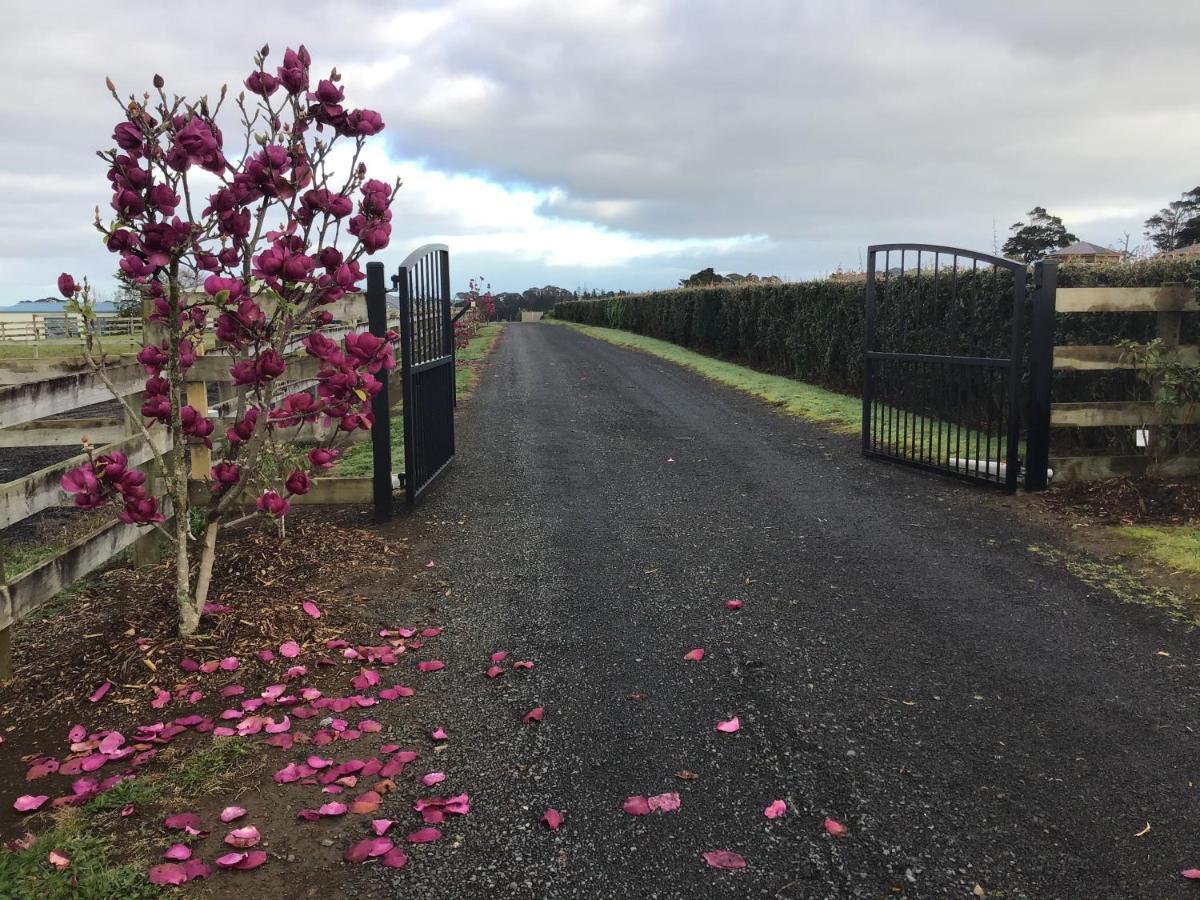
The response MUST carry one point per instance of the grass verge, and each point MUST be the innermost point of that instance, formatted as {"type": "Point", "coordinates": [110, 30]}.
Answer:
{"type": "Point", "coordinates": [1177, 547]}
{"type": "Point", "coordinates": [92, 873]}
{"type": "Point", "coordinates": [357, 463]}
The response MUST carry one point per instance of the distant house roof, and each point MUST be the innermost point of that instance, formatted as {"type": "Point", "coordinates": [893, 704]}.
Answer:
{"type": "Point", "coordinates": [1190, 250]}
{"type": "Point", "coordinates": [1085, 248]}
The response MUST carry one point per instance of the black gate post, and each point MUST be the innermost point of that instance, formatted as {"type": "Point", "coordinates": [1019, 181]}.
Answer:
{"type": "Point", "coordinates": [381, 430]}
{"type": "Point", "coordinates": [1041, 368]}
{"type": "Point", "coordinates": [868, 342]}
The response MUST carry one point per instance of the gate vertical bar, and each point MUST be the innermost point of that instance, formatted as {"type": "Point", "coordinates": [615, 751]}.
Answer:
{"type": "Point", "coordinates": [1041, 368]}
{"type": "Point", "coordinates": [868, 345]}
{"type": "Point", "coordinates": [1016, 372]}
{"type": "Point", "coordinates": [447, 299]}
{"type": "Point", "coordinates": [381, 428]}
{"type": "Point", "coordinates": [406, 357]}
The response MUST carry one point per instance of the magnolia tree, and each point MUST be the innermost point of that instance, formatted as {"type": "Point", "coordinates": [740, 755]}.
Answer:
{"type": "Point", "coordinates": [273, 235]}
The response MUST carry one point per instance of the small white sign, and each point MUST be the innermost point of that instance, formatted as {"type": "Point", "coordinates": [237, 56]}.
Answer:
{"type": "Point", "coordinates": [1143, 437]}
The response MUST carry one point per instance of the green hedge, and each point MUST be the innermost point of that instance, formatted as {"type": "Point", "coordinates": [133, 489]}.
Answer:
{"type": "Point", "coordinates": [812, 330]}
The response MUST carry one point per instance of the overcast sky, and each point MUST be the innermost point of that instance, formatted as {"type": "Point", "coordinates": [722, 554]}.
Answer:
{"type": "Point", "coordinates": [626, 144]}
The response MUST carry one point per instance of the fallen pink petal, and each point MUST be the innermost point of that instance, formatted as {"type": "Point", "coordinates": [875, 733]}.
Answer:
{"type": "Point", "coordinates": [439, 734]}
{"type": "Point", "coordinates": [168, 874]}
{"type": "Point", "coordinates": [381, 826]}
{"type": "Point", "coordinates": [98, 694]}
{"type": "Point", "coordinates": [231, 813]}
{"type": "Point", "coordinates": [311, 608]}
{"type": "Point", "coordinates": [178, 852]}
{"type": "Point", "coordinates": [29, 803]}
{"type": "Point", "coordinates": [835, 828]}
{"type": "Point", "coordinates": [431, 665]}
{"type": "Point", "coordinates": [729, 726]}
{"type": "Point", "coordinates": [724, 859]}
{"type": "Point", "coordinates": [393, 859]}
{"type": "Point", "coordinates": [694, 655]}
{"type": "Point", "coordinates": [534, 715]}
{"type": "Point", "coordinates": [1193, 874]}
{"type": "Point", "coordinates": [289, 649]}
{"type": "Point", "coordinates": [552, 819]}
{"type": "Point", "coordinates": [775, 809]}
{"type": "Point", "coordinates": [664, 803]}
{"type": "Point", "coordinates": [433, 778]}
{"type": "Point", "coordinates": [424, 836]}
{"type": "Point", "coordinates": [733, 604]}
{"type": "Point", "coordinates": [58, 859]}
{"type": "Point", "coordinates": [636, 806]}
{"type": "Point", "coordinates": [243, 838]}
{"type": "Point", "coordinates": [523, 664]}
{"type": "Point", "coordinates": [494, 672]}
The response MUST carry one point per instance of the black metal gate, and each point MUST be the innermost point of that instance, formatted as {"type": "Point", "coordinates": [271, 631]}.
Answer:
{"type": "Point", "coordinates": [944, 361]}
{"type": "Point", "coordinates": [427, 366]}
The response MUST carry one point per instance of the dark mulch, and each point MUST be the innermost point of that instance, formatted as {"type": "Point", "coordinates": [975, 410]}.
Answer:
{"type": "Point", "coordinates": [1126, 501]}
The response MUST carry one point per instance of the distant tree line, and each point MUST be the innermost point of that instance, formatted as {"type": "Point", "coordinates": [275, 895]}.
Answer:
{"type": "Point", "coordinates": [708, 277]}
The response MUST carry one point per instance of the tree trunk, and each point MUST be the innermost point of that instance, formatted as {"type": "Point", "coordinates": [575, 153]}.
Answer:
{"type": "Point", "coordinates": [208, 555]}
{"type": "Point", "coordinates": [189, 609]}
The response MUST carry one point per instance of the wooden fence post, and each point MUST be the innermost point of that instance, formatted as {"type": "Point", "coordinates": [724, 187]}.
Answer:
{"type": "Point", "coordinates": [1041, 371]}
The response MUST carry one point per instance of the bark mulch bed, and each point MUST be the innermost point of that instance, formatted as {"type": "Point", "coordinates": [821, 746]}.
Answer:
{"type": "Point", "coordinates": [291, 684]}
{"type": "Point", "coordinates": [1127, 501]}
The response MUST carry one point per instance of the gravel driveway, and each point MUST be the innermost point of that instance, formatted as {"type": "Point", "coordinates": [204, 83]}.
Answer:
{"type": "Point", "coordinates": [902, 663]}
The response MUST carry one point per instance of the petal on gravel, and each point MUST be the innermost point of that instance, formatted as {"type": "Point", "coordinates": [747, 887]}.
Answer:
{"type": "Point", "coordinates": [98, 694]}
{"type": "Point", "coordinates": [181, 821]}
{"type": "Point", "coordinates": [552, 819]}
{"type": "Point", "coordinates": [694, 655]}
{"type": "Point", "coordinates": [834, 828]}
{"type": "Point", "coordinates": [523, 664]}
{"type": "Point", "coordinates": [289, 649]}
{"type": "Point", "coordinates": [366, 803]}
{"type": "Point", "coordinates": [729, 726]}
{"type": "Point", "coordinates": [499, 656]}
{"type": "Point", "coordinates": [636, 806]}
{"type": "Point", "coordinates": [439, 734]}
{"type": "Point", "coordinates": [775, 809]}
{"type": "Point", "coordinates": [229, 860]}
{"type": "Point", "coordinates": [668, 802]}
{"type": "Point", "coordinates": [686, 775]}
{"type": "Point", "coordinates": [433, 778]}
{"type": "Point", "coordinates": [494, 672]}
{"type": "Point", "coordinates": [724, 859]}
{"type": "Point", "coordinates": [230, 664]}
{"type": "Point", "coordinates": [733, 604]}
{"type": "Point", "coordinates": [1193, 874]}
{"type": "Point", "coordinates": [332, 809]}
{"type": "Point", "coordinates": [431, 665]}
{"type": "Point", "coordinates": [242, 838]}
{"type": "Point", "coordinates": [29, 802]}
{"type": "Point", "coordinates": [424, 836]}
{"type": "Point", "coordinates": [77, 734]}
{"type": "Point", "coordinates": [253, 860]}
{"type": "Point", "coordinates": [230, 813]}
{"type": "Point", "coordinates": [534, 715]}
{"type": "Point", "coordinates": [381, 826]}
{"type": "Point", "coordinates": [178, 852]}
{"type": "Point", "coordinates": [311, 608]}
{"type": "Point", "coordinates": [168, 873]}
{"type": "Point", "coordinates": [393, 859]}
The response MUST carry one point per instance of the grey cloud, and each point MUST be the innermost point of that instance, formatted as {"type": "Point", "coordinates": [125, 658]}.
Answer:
{"type": "Point", "coordinates": [824, 126]}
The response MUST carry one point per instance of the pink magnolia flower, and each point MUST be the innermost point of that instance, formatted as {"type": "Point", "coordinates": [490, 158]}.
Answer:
{"type": "Point", "coordinates": [273, 505]}
{"type": "Point", "coordinates": [66, 285]}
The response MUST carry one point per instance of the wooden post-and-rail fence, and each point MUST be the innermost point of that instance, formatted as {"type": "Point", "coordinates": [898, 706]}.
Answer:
{"type": "Point", "coordinates": [1168, 303]}
{"type": "Point", "coordinates": [32, 392]}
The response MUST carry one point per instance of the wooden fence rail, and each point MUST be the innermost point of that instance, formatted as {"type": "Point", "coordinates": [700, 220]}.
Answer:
{"type": "Point", "coordinates": [1167, 303]}
{"type": "Point", "coordinates": [33, 390]}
